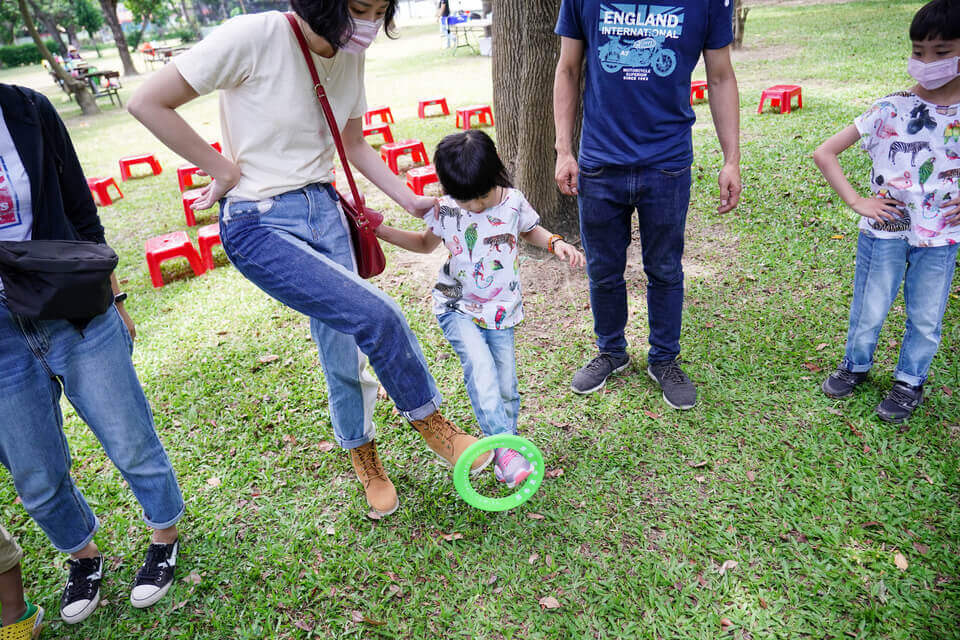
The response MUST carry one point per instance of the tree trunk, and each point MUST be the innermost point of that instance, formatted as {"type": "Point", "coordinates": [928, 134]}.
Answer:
{"type": "Point", "coordinates": [525, 53]}
{"type": "Point", "coordinates": [50, 25]}
{"type": "Point", "coordinates": [143, 27]}
{"type": "Point", "coordinates": [110, 15]}
{"type": "Point", "coordinates": [72, 36]}
{"type": "Point", "coordinates": [739, 19]}
{"type": "Point", "coordinates": [223, 9]}
{"type": "Point", "coordinates": [243, 7]}
{"type": "Point", "coordinates": [88, 104]}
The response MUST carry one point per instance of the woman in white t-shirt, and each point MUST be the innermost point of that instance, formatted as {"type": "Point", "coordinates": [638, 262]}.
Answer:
{"type": "Point", "coordinates": [280, 222]}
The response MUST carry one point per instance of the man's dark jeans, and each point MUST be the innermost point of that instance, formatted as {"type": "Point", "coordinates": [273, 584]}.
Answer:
{"type": "Point", "coordinates": [608, 197]}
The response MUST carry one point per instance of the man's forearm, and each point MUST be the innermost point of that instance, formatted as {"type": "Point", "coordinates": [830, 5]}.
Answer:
{"type": "Point", "coordinates": [566, 89]}
{"type": "Point", "coordinates": [725, 109]}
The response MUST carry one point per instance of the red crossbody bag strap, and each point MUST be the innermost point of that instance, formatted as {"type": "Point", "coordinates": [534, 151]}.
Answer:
{"type": "Point", "coordinates": [331, 121]}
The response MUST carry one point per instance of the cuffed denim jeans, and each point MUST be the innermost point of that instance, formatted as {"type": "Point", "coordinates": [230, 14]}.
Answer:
{"type": "Point", "coordinates": [489, 371]}
{"type": "Point", "coordinates": [296, 247]}
{"type": "Point", "coordinates": [39, 360]}
{"type": "Point", "coordinates": [608, 197]}
{"type": "Point", "coordinates": [926, 274]}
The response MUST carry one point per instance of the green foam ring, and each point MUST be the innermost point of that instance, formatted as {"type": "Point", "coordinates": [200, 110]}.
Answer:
{"type": "Point", "coordinates": [461, 472]}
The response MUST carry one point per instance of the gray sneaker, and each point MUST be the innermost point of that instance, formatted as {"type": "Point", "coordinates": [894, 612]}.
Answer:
{"type": "Point", "coordinates": [678, 390]}
{"type": "Point", "coordinates": [593, 375]}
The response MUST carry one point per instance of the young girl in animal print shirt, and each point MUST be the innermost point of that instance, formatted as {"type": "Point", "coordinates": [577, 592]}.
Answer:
{"type": "Point", "coordinates": [910, 228]}
{"type": "Point", "coordinates": [477, 296]}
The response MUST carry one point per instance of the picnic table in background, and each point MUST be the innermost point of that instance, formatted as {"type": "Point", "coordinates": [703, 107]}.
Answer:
{"type": "Point", "coordinates": [462, 27]}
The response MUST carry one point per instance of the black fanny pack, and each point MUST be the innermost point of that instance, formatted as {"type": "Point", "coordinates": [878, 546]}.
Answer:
{"type": "Point", "coordinates": [57, 279]}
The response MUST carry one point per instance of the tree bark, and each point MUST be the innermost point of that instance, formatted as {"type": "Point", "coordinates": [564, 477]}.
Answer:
{"type": "Point", "coordinates": [110, 15]}
{"type": "Point", "coordinates": [50, 24]}
{"type": "Point", "coordinates": [525, 53]}
{"type": "Point", "coordinates": [88, 104]}
{"type": "Point", "coordinates": [739, 20]}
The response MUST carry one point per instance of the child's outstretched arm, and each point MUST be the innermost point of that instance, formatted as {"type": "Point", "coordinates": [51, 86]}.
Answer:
{"type": "Point", "coordinates": [540, 237]}
{"type": "Point", "coordinates": [827, 159]}
{"type": "Point", "coordinates": [416, 241]}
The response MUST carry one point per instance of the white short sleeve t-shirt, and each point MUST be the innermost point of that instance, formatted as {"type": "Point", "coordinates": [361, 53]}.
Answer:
{"type": "Point", "coordinates": [482, 276]}
{"type": "Point", "coordinates": [914, 147]}
{"type": "Point", "coordinates": [16, 212]}
{"type": "Point", "coordinates": [272, 124]}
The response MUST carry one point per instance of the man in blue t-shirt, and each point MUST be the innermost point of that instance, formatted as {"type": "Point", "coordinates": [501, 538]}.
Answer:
{"type": "Point", "coordinates": [635, 153]}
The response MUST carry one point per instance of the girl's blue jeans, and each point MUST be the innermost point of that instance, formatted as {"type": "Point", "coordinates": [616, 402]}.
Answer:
{"type": "Point", "coordinates": [489, 371]}
{"type": "Point", "coordinates": [926, 274]}
{"type": "Point", "coordinates": [296, 247]}
{"type": "Point", "coordinates": [39, 361]}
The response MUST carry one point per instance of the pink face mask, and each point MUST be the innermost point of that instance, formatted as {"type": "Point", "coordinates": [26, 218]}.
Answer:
{"type": "Point", "coordinates": [933, 75]}
{"type": "Point", "coordinates": [364, 31]}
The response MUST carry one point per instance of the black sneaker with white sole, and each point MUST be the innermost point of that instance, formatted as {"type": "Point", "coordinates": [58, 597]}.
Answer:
{"type": "Point", "coordinates": [154, 578]}
{"type": "Point", "coordinates": [593, 375]}
{"type": "Point", "coordinates": [900, 403]}
{"type": "Point", "coordinates": [82, 593]}
{"type": "Point", "coordinates": [678, 390]}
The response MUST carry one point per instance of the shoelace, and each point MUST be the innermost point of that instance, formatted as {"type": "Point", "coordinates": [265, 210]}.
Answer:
{"type": "Point", "coordinates": [151, 570]}
{"type": "Point", "coordinates": [673, 373]}
{"type": "Point", "coordinates": [79, 586]}
{"type": "Point", "coordinates": [845, 376]}
{"type": "Point", "coordinates": [900, 395]}
{"type": "Point", "coordinates": [602, 361]}
{"type": "Point", "coordinates": [440, 427]}
{"type": "Point", "coordinates": [370, 463]}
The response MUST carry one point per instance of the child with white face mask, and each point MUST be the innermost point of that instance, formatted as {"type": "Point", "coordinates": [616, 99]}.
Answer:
{"type": "Point", "coordinates": [910, 228]}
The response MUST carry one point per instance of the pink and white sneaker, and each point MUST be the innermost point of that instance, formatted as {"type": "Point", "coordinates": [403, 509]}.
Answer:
{"type": "Point", "coordinates": [510, 467]}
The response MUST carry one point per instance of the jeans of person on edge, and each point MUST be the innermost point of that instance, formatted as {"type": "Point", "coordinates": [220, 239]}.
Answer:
{"type": "Point", "coordinates": [489, 371]}
{"type": "Point", "coordinates": [926, 274]}
{"type": "Point", "coordinates": [39, 361]}
{"type": "Point", "coordinates": [296, 248]}
{"type": "Point", "coordinates": [607, 198]}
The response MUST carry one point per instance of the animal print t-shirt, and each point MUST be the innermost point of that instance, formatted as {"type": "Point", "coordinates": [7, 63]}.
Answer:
{"type": "Point", "coordinates": [915, 149]}
{"type": "Point", "coordinates": [481, 276]}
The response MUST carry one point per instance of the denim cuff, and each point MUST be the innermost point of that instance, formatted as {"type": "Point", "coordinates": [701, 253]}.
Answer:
{"type": "Point", "coordinates": [856, 368]}
{"type": "Point", "coordinates": [165, 525]}
{"type": "Point", "coordinates": [357, 442]}
{"type": "Point", "coordinates": [425, 410]}
{"type": "Point", "coordinates": [86, 540]}
{"type": "Point", "coordinates": [914, 381]}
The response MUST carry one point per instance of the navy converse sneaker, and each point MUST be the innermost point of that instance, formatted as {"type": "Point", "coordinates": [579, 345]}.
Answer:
{"type": "Point", "coordinates": [154, 578]}
{"type": "Point", "coordinates": [82, 593]}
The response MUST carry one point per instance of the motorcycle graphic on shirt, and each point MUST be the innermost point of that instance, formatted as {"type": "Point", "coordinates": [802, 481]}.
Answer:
{"type": "Point", "coordinates": [638, 39]}
{"type": "Point", "coordinates": [9, 211]}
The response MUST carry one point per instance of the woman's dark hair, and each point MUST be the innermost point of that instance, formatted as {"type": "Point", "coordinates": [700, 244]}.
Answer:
{"type": "Point", "coordinates": [331, 19]}
{"type": "Point", "coordinates": [936, 19]}
{"type": "Point", "coordinates": [468, 165]}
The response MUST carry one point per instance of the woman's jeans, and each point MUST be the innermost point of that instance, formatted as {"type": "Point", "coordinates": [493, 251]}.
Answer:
{"type": "Point", "coordinates": [607, 198]}
{"type": "Point", "coordinates": [39, 360]}
{"type": "Point", "coordinates": [296, 247]}
{"type": "Point", "coordinates": [489, 371]}
{"type": "Point", "coordinates": [926, 274]}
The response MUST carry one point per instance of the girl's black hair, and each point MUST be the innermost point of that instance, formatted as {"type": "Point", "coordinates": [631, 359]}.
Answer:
{"type": "Point", "coordinates": [468, 166]}
{"type": "Point", "coordinates": [332, 21]}
{"type": "Point", "coordinates": [936, 19]}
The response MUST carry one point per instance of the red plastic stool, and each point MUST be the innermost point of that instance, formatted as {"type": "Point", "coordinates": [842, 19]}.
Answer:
{"type": "Point", "coordinates": [188, 198]}
{"type": "Point", "coordinates": [383, 113]}
{"type": "Point", "coordinates": [185, 173]}
{"type": "Point", "coordinates": [697, 89]}
{"type": "Point", "coordinates": [781, 95]}
{"type": "Point", "coordinates": [483, 112]}
{"type": "Point", "coordinates": [98, 189]}
{"type": "Point", "coordinates": [166, 247]}
{"type": "Point", "coordinates": [419, 177]}
{"type": "Point", "coordinates": [391, 151]}
{"type": "Point", "coordinates": [206, 238]}
{"type": "Point", "coordinates": [216, 145]}
{"type": "Point", "coordinates": [423, 104]}
{"type": "Point", "coordinates": [379, 129]}
{"type": "Point", "coordinates": [143, 158]}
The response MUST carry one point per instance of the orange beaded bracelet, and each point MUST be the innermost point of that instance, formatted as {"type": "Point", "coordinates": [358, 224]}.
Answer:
{"type": "Point", "coordinates": [553, 240]}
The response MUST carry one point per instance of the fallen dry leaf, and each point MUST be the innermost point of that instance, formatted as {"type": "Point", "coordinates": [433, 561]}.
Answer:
{"type": "Point", "coordinates": [289, 439]}
{"type": "Point", "coordinates": [751, 476]}
{"type": "Point", "coordinates": [268, 358]}
{"type": "Point", "coordinates": [549, 602]}
{"type": "Point", "coordinates": [724, 623]}
{"type": "Point", "coordinates": [701, 580]}
{"type": "Point", "coordinates": [553, 473]}
{"type": "Point", "coordinates": [213, 482]}
{"type": "Point", "coordinates": [812, 367]}
{"type": "Point", "coordinates": [330, 530]}
{"type": "Point", "coordinates": [325, 445]}
{"type": "Point", "coordinates": [303, 625]}
{"type": "Point", "coordinates": [104, 603]}
{"type": "Point", "coordinates": [700, 479]}
{"type": "Point", "coordinates": [535, 516]}
{"type": "Point", "coordinates": [946, 390]}
{"type": "Point", "coordinates": [193, 578]}
{"type": "Point", "coordinates": [450, 537]}
{"type": "Point", "coordinates": [921, 548]}
{"type": "Point", "coordinates": [821, 346]}
{"type": "Point", "coordinates": [356, 616]}
{"type": "Point", "coordinates": [763, 604]}
{"type": "Point", "coordinates": [492, 579]}
{"type": "Point", "coordinates": [836, 236]}
{"type": "Point", "coordinates": [728, 565]}
{"type": "Point", "coordinates": [179, 605]}
{"type": "Point", "coordinates": [697, 465]}
{"type": "Point", "coordinates": [651, 414]}
{"type": "Point", "coordinates": [533, 557]}
{"type": "Point", "coordinates": [901, 561]}
{"type": "Point", "coordinates": [866, 448]}
{"type": "Point", "coordinates": [393, 590]}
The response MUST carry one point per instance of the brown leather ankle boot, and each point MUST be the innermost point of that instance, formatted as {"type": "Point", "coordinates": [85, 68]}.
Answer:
{"type": "Point", "coordinates": [448, 441]}
{"type": "Point", "coordinates": [381, 494]}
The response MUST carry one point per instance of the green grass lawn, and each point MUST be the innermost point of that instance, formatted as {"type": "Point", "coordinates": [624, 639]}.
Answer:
{"type": "Point", "coordinates": [767, 505]}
